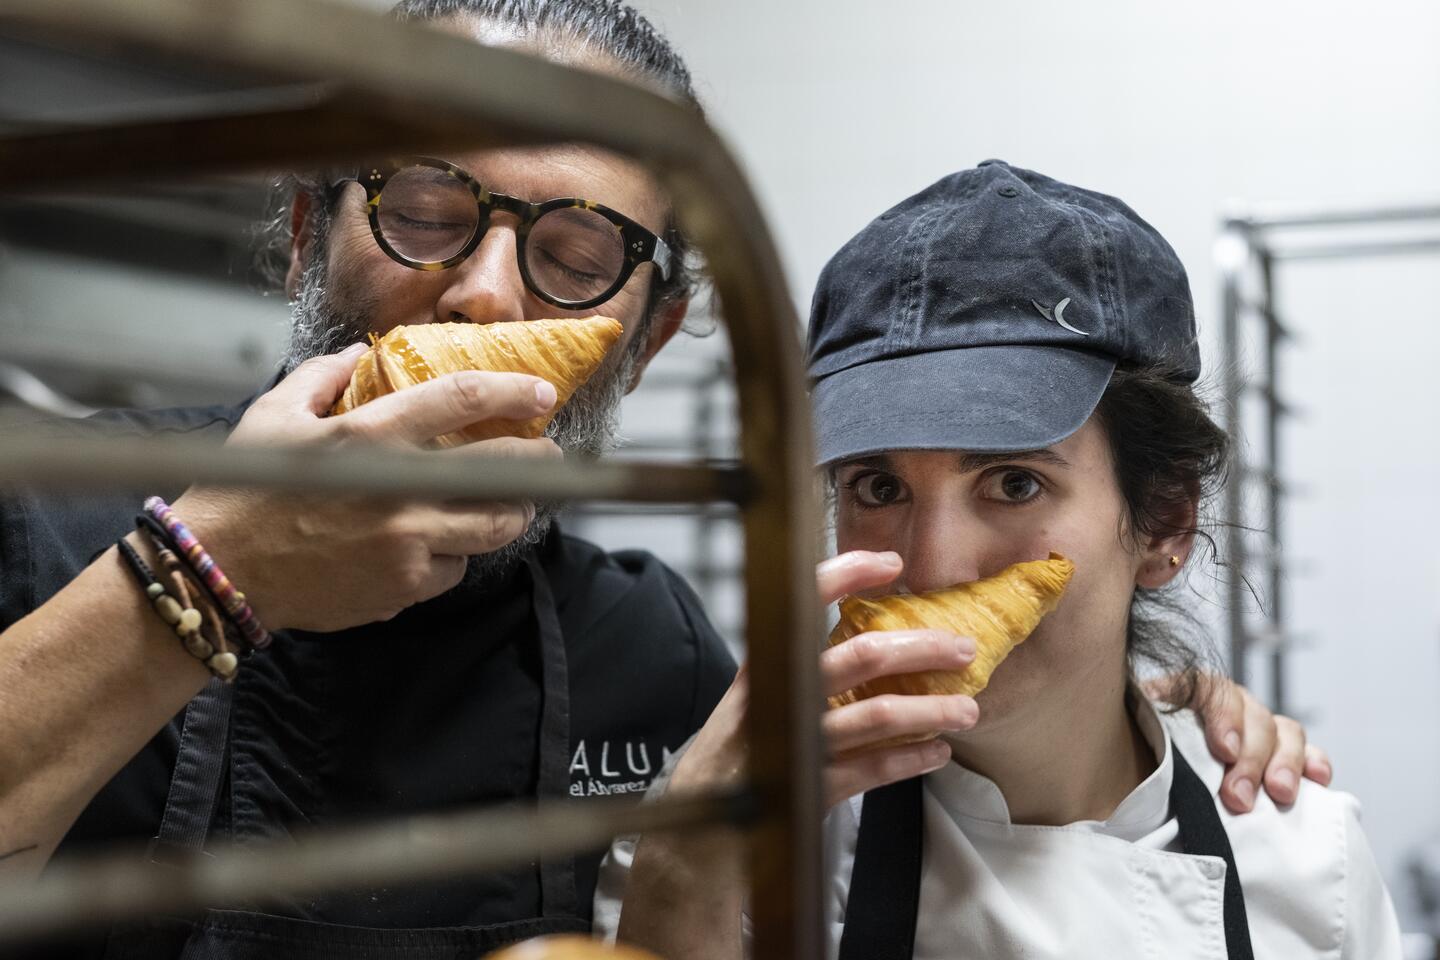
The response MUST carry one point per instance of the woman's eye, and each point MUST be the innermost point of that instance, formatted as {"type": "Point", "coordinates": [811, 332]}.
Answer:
{"type": "Point", "coordinates": [1015, 486]}
{"type": "Point", "coordinates": [877, 489]}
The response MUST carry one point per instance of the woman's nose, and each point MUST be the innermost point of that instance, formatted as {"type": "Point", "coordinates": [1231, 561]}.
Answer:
{"type": "Point", "coordinates": [945, 548]}
{"type": "Point", "coordinates": [486, 286]}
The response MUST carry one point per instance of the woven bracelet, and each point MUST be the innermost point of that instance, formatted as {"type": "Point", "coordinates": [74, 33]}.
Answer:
{"type": "Point", "coordinates": [203, 567]}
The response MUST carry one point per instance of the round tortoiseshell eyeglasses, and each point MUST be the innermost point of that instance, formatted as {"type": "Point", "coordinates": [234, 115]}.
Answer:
{"type": "Point", "coordinates": [429, 214]}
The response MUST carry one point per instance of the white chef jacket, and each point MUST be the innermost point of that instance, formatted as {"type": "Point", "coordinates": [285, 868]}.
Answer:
{"type": "Point", "coordinates": [1120, 888]}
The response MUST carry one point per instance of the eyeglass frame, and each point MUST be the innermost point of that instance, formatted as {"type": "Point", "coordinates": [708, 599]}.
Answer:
{"type": "Point", "coordinates": [639, 243]}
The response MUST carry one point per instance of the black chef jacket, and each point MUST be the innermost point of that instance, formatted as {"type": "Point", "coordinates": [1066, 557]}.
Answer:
{"type": "Point", "coordinates": [437, 708]}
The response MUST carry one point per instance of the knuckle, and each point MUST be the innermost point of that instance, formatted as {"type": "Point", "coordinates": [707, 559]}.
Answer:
{"type": "Point", "coordinates": [412, 566]}
{"type": "Point", "coordinates": [884, 712]}
{"type": "Point", "coordinates": [895, 764]}
{"type": "Point", "coordinates": [468, 392]}
{"type": "Point", "coordinates": [506, 447]}
{"type": "Point", "coordinates": [867, 651]}
{"type": "Point", "coordinates": [500, 524]}
{"type": "Point", "coordinates": [939, 639]}
{"type": "Point", "coordinates": [524, 388]}
{"type": "Point", "coordinates": [312, 364]}
{"type": "Point", "coordinates": [487, 528]}
{"type": "Point", "coordinates": [941, 647]}
{"type": "Point", "coordinates": [410, 579]}
{"type": "Point", "coordinates": [950, 711]}
{"type": "Point", "coordinates": [1247, 767]}
{"type": "Point", "coordinates": [345, 428]}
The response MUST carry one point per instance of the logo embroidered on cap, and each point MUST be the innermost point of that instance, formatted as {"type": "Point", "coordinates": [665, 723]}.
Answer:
{"type": "Point", "coordinates": [1057, 315]}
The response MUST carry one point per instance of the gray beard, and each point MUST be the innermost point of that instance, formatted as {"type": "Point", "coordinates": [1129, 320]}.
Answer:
{"type": "Point", "coordinates": [587, 426]}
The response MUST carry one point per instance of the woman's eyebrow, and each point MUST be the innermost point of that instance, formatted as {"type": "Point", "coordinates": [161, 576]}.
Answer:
{"type": "Point", "coordinates": [973, 462]}
{"type": "Point", "coordinates": [875, 461]}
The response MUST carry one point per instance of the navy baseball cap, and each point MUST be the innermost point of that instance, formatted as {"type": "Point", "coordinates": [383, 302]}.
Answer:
{"type": "Point", "coordinates": [987, 313]}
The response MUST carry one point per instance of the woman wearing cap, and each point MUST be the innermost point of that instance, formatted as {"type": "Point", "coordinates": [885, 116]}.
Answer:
{"type": "Point", "coordinates": [1004, 366]}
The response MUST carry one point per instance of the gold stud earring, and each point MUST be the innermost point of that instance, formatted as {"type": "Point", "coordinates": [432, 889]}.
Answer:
{"type": "Point", "coordinates": [1174, 560]}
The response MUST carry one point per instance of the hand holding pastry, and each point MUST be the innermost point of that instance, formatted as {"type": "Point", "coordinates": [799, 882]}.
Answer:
{"type": "Point", "coordinates": [326, 562]}
{"type": "Point", "coordinates": [891, 692]}
{"type": "Point", "coordinates": [864, 739]}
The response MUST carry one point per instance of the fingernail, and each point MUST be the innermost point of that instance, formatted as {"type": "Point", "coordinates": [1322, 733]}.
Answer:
{"type": "Point", "coordinates": [965, 645]}
{"type": "Point", "coordinates": [1286, 780]}
{"type": "Point", "coordinates": [1232, 743]}
{"type": "Point", "coordinates": [961, 714]}
{"type": "Point", "coordinates": [1244, 791]}
{"type": "Point", "coordinates": [545, 394]}
{"type": "Point", "coordinates": [355, 349]}
{"type": "Point", "coordinates": [935, 754]}
{"type": "Point", "coordinates": [889, 558]}
{"type": "Point", "coordinates": [529, 513]}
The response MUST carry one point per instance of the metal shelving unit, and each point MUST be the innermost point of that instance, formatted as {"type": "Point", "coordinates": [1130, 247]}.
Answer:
{"type": "Point", "coordinates": [698, 546]}
{"type": "Point", "coordinates": [314, 83]}
{"type": "Point", "coordinates": [1251, 251]}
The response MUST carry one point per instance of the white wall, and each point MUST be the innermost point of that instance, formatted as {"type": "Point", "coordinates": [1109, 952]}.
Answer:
{"type": "Point", "coordinates": [840, 108]}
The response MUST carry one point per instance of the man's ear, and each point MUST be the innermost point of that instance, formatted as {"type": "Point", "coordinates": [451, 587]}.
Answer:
{"type": "Point", "coordinates": [1164, 556]}
{"type": "Point", "coordinates": [665, 325]}
{"type": "Point", "coordinates": [301, 234]}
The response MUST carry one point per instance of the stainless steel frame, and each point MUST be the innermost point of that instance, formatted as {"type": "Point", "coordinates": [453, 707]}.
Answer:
{"type": "Point", "coordinates": [402, 94]}
{"type": "Point", "coordinates": [1250, 251]}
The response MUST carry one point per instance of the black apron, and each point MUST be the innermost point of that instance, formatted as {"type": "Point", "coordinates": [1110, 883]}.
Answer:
{"type": "Point", "coordinates": [190, 807]}
{"type": "Point", "coordinates": [884, 902]}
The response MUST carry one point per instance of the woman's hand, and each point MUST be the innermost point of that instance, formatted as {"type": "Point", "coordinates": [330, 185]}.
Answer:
{"type": "Point", "coordinates": [327, 562]}
{"type": "Point", "coordinates": [686, 890]}
{"type": "Point", "coordinates": [859, 736]}
{"type": "Point", "coordinates": [1258, 747]}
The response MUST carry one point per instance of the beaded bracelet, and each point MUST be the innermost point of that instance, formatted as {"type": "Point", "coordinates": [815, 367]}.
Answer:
{"type": "Point", "coordinates": [205, 570]}
{"type": "Point", "coordinates": [185, 587]}
{"type": "Point", "coordinates": [184, 580]}
{"type": "Point", "coordinates": [183, 618]}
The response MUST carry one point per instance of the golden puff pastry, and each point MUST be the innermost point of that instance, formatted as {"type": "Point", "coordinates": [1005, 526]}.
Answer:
{"type": "Point", "coordinates": [570, 947]}
{"type": "Point", "coordinates": [564, 352]}
{"type": "Point", "coordinates": [999, 612]}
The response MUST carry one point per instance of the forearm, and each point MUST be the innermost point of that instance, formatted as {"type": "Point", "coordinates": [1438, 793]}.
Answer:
{"type": "Point", "coordinates": [85, 681]}
{"type": "Point", "coordinates": [685, 897]}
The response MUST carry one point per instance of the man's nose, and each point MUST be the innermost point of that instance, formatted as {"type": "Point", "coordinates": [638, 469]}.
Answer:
{"type": "Point", "coordinates": [486, 286]}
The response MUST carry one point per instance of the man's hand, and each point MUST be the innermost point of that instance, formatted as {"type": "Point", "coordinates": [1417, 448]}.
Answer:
{"type": "Point", "coordinates": [859, 736]}
{"type": "Point", "coordinates": [324, 563]}
{"type": "Point", "coordinates": [1258, 747]}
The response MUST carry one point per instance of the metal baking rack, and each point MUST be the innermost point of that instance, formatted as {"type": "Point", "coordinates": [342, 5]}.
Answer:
{"type": "Point", "coordinates": [1250, 251]}
{"type": "Point", "coordinates": [327, 84]}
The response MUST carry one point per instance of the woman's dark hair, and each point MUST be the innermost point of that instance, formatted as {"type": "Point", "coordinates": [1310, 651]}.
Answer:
{"type": "Point", "coordinates": [609, 29]}
{"type": "Point", "coordinates": [1170, 460]}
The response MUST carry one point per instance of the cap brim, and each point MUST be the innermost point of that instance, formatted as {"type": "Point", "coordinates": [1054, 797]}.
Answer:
{"type": "Point", "coordinates": [983, 399]}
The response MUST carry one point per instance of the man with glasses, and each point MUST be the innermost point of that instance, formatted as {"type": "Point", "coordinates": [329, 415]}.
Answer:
{"type": "Point", "coordinates": [425, 655]}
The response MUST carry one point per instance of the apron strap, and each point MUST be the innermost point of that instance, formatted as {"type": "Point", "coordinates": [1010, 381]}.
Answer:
{"type": "Point", "coordinates": [1202, 834]}
{"type": "Point", "coordinates": [884, 902]}
{"type": "Point", "coordinates": [199, 771]}
{"type": "Point", "coordinates": [558, 897]}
